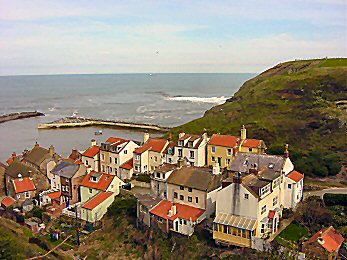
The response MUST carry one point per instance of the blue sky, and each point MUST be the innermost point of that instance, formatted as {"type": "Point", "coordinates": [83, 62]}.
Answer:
{"type": "Point", "coordinates": [58, 37]}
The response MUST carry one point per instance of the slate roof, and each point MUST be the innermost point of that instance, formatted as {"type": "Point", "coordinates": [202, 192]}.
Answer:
{"type": "Point", "coordinates": [37, 155]}
{"type": "Point", "coordinates": [245, 161]}
{"type": "Point", "coordinates": [148, 200]}
{"type": "Point", "coordinates": [200, 178]}
{"type": "Point", "coordinates": [16, 168]}
{"type": "Point", "coordinates": [65, 169]}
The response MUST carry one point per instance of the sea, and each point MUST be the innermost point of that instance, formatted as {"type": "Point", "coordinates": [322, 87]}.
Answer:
{"type": "Point", "coordinates": [163, 99]}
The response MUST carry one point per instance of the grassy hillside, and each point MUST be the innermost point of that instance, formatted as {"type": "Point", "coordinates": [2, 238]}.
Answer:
{"type": "Point", "coordinates": [302, 103]}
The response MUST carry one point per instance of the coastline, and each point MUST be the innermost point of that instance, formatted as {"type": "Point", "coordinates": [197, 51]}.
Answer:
{"type": "Point", "coordinates": [19, 115]}
{"type": "Point", "coordinates": [69, 122]}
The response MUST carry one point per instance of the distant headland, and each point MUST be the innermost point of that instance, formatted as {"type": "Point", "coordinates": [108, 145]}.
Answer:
{"type": "Point", "coordinates": [19, 115]}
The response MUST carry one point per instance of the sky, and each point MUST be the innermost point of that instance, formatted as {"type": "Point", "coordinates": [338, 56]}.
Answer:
{"type": "Point", "coordinates": [81, 36]}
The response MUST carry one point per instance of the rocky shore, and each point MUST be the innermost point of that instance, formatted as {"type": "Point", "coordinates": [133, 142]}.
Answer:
{"type": "Point", "coordinates": [84, 122]}
{"type": "Point", "coordinates": [19, 115]}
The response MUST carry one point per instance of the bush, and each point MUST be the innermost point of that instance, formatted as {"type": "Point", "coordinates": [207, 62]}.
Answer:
{"type": "Point", "coordinates": [335, 199]}
{"type": "Point", "coordinates": [121, 207]}
{"type": "Point", "coordinates": [37, 212]}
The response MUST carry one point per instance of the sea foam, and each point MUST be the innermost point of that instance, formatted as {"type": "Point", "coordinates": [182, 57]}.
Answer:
{"type": "Point", "coordinates": [212, 100]}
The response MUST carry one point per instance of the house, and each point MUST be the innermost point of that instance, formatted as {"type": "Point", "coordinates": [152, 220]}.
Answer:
{"type": "Point", "coordinates": [250, 145]}
{"type": "Point", "coordinates": [66, 177]}
{"type": "Point", "coordinates": [8, 202]}
{"type": "Point", "coordinates": [169, 216]}
{"type": "Point", "coordinates": [24, 188]}
{"type": "Point", "coordinates": [17, 167]}
{"type": "Point", "coordinates": [115, 152]}
{"type": "Point", "coordinates": [126, 170]}
{"type": "Point", "coordinates": [325, 244]}
{"type": "Point", "coordinates": [49, 196]}
{"type": "Point", "coordinates": [192, 147]}
{"type": "Point", "coordinates": [98, 191]}
{"type": "Point", "coordinates": [91, 157]}
{"type": "Point", "coordinates": [247, 210]}
{"type": "Point", "coordinates": [221, 149]}
{"type": "Point", "coordinates": [150, 155]}
{"type": "Point", "coordinates": [159, 178]}
{"type": "Point", "coordinates": [27, 205]}
{"type": "Point", "coordinates": [145, 203]}
{"type": "Point", "coordinates": [169, 153]}
{"type": "Point", "coordinates": [94, 209]}
{"type": "Point", "coordinates": [38, 157]}
{"type": "Point", "coordinates": [194, 186]}
{"type": "Point", "coordinates": [293, 189]}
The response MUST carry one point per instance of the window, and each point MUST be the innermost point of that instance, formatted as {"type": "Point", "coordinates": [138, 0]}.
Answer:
{"type": "Point", "coordinates": [125, 151]}
{"type": "Point", "coordinates": [190, 199]}
{"type": "Point", "coordinates": [158, 175]}
{"type": "Point", "coordinates": [110, 159]}
{"type": "Point", "coordinates": [103, 168]}
{"type": "Point", "coordinates": [18, 196]}
{"type": "Point", "coordinates": [250, 150]}
{"type": "Point", "coordinates": [138, 157]}
{"type": "Point", "coordinates": [179, 152]}
{"type": "Point", "coordinates": [181, 197]}
{"type": "Point", "coordinates": [213, 149]}
{"type": "Point", "coordinates": [192, 154]}
{"type": "Point", "coordinates": [110, 170]}
{"type": "Point", "coordinates": [170, 160]}
{"type": "Point", "coordinates": [196, 200]}
{"type": "Point", "coordinates": [86, 162]}
{"type": "Point", "coordinates": [63, 188]}
{"type": "Point", "coordinates": [115, 160]}
{"type": "Point", "coordinates": [184, 222]}
{"type": "Point", "coordinates": [181, 188]}
{"type": "Point", "coordinates": [90, 190]}
{"type": "Point", "coordinates": [246, 196]}
{"type": "Point", "coordinates": [215, 226]}
{"type": "Point", "coordinates": [226, 229]}
{"type": "Point", "coordinates": [115, 170]}
{"type": "Point", "coordinates": [190, 189]}
{"type": "Point", "coordinates": [103, 157]}
{"type": "Point", "coordinates": [289, 186]}
{"type": "Point", "coordinates": [227, 161]}
{"type": "Point", "coordinates": [213, 159]}
{"type": "Point", "coordinates": [165, 194]}
{"type": "Point", "coordinates": [234, 231]}
{"type": "Point", "coordinates": [274, 201]}
{"type": "Point", "coordinates": [136, 168]}
{"type": "Point", "coordinates": [160, 219]}
{"type": "Point", "coordinates": [145, 167]}
{"type": "Point", "coordinates": [263, 209]}
{"type": "Point", "coordinates": [27, 194]}
{"type": "Point", "coordinates": [67, 188]}
{"type": "Point", "coordinates": [155, 158]}
{"type": "Point", "coordinates": [229, 151]}
{"type": "Point", "coordinates": [169, 151]}
{"type": "Point", "coordinates": [181, 143]}
{"type": "Point", "coordinates": [175, 195]}
{"type": "Point", "coordinates": [180, 221]}
{"type": "Point", "coordinates": [244, 233]}
{"type": "Point", "coordinates": [262, 230]}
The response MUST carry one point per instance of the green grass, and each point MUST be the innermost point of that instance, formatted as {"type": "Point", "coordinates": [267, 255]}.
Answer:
{"type": "Point", "coordinates": [334, 62]}
{"type": "Point", "coordinates": [294, 232]}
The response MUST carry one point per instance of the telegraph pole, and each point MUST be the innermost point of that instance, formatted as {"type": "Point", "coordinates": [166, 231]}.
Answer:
{"type": "Point", "coordinates": [77, 229]}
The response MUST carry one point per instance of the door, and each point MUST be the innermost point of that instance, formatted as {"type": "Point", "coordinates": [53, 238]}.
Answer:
{"type": "Point", "coordinates": [275, 225]}
{"type": "Point", "coordinates": [176, 225]}
{"type": "Point", "coordinates": [220, 161]}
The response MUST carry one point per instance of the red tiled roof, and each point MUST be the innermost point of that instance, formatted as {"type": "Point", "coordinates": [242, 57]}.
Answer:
{"type": "Point", "coordinates": [92, 151]}
{"type": "Point", "coordinates": [116, 140]}
{"type": "Point", "coordinates": [153, 144]}
{"type": "Point", "coordinates": [224, 140]}
{"type": "Point", "coordinates": [183, 211]}
{"type": "Point", "coordinates": [252, 143]}
{"type": "Point", "coordinates": [97, 200]}
{"type": "Point", "coordinates": [54, 195]}
{"type": "Point", "coordinates": [102, 184]}
{"type": "Point", "coordinates": [332, 239]}
{"type": "Point", "coordinates": [128, 165]}
{"type": "Point", "coordinates": [295, 176]}
{"type": "Point", "coordinates": [8, 201]}
{"type": "Point", "coordinates": [78, 162]}
{"type": "Point", "coordinates": [272, 213]}
{"type": "Point", "coordinates": [23, 185]}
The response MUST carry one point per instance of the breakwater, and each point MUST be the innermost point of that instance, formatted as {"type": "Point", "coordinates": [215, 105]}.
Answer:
{"type": "Point", "coordinates": [19, 115]}
{"type": "Point", "coordinates": [85, 122]}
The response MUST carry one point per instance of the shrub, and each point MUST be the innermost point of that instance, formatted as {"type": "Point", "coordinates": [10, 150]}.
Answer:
{"type": "Point", "coordinates": [144, 178]}
{"type": "Point", "coordinates": [335, 199]}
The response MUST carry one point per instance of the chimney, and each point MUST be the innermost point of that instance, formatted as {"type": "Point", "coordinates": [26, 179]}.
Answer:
{"type": "Point", "coordinates": [170, 137]}
{"type": "Point", "coordinates": [286, 152]}
{"type": "Point", "coordinates": [92, 142]}
{"type": "Point", "coordinates": [20, 177]}
{"type": "Point", "coordinates": [180, 135]}
{"type": "Point", "coordinates": [216, 168]}
{"type": "Point", "coordinates": [204, 135]}
{"type": "Point", "coordinates": [30, 173]}
{"type": "Point", "coordinates": [51, 150]}
{"type": "Point", "coordinates": [14, 154]}
{"type": "Point", "coordinates": [36, 144]}
{"type": "Point", "coordinates": [145, 137]}
{"type": "Point", "coordinates": [254, 169]}
{"type": "Point", "coordinates": [237, 178]}
{"type": "Point", "coordinates": [243, 133]}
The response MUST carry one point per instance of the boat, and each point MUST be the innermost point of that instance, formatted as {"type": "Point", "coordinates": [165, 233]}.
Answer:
{"type": "Point", "coordinates": [98, 132]}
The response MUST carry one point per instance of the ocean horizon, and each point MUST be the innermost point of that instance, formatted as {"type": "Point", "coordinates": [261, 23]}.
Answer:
{"type": "Point", "coordinates": [167, 99]}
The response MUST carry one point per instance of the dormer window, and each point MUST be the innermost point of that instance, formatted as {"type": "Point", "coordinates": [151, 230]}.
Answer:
{"type": "Point", "coordinates": [246, 162]}
{"type": "Point", "coordinates": [190, 144]}
{"type": "Point", "coordinates": [170, 151]}
{"type": "Point", "coordinates": [181, 143]}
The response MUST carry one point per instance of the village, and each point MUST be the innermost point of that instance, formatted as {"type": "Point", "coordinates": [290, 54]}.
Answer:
{"type": "Point", "coordinates": [227, 183]}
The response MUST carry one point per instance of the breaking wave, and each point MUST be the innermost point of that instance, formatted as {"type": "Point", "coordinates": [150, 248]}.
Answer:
{"type": "Point", "coordinates": [211, 100]}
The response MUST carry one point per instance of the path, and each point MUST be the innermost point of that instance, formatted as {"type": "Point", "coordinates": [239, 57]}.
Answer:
{"type": "Point", "coordinates": [320, 193]}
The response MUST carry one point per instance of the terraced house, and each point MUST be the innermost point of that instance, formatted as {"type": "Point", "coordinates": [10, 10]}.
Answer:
{"type": "Point", "coordinates": [115, 152]}
{"type": "Point", "coordinates": [91, 157]}
{"type": "Point", "coordinates": [250, 145]}
{"type": "Point", "coordinates": [192, 147]}
{"type": "Point", "coordinates": [38, 157]}
{"type": "Point", "coordinates": [150, 155]}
